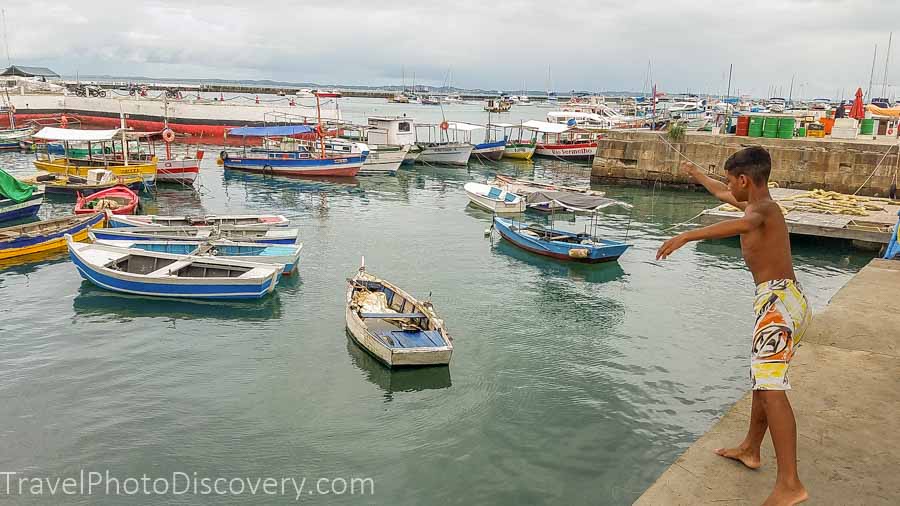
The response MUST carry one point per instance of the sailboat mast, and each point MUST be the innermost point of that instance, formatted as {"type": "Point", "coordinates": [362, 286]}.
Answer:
{"type": "Point", "coordinates": [887, 59]}
{"type": "Point", "coordinates": [872, 74]}
{"type": "Point", "coordinates": [5, 40]}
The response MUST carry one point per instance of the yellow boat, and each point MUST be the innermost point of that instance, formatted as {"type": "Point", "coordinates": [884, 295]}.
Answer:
{"type": "Point", "coordinates": [41, 236]}
{"type": "Point", "coordinates": [114, 155]}
{"type": "Point", "coordinates": [519, 150]}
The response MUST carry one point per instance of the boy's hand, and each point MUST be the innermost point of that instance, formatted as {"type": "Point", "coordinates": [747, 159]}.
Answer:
{"type": "Point", "coordinates": [670, 246]}
{"type": "Point", "coordinates": [691, 169]}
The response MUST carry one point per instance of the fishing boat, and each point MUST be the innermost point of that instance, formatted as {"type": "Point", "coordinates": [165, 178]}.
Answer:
{"type": "Point", "coordinates": [517, 147]}
{"type": "Point", "coordinates": [264, 234]}
{"type": "Point", "coordinates": [18, 200]}
{"type": "Point", "coordinates": [302, 160]}
{"type": "Point", "coordinates": [149, 220]}
{"type": "Point", "coordinates": [384, 159]}
{"type": "Point", "coordinates": [116, 157]}
{"type": "Point", "coordinates": [393, 131]}
{"type": "Point", "coordinates": [439, 149]}
{"type": "Point", "coordinates": [140, 272]}
{"type": "Point", "coordinates": [564, 142]}
{"type": "Point", "coordinates": [12, 138]}
{"type": "Point", "coordinates": [285, 255]}
{"type": "Point", "coordinates": [526, 187]}
{"type": "Point", "coordinates": [60, 184]}
{"type": "Point", "coordinates": [559, 244]}
{"type": "Point", "coordinates": [494, 199]}
{"type": "Point", "coordinates": [490, 149]}
{"type": "Point", "coordinates": [43, 236]}
{"type": "Point", "coordinates": [585, 247]}
{"type": "Point", "coordinates": [116, 200]}
{"type": "Point", "coordinates": [392, 325]}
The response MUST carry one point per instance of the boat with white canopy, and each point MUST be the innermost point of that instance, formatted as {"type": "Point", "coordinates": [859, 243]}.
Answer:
{"type": "Point", "coordinates": [115, 154]}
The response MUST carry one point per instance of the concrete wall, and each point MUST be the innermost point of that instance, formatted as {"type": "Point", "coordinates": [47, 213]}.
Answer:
{"type": "Point", "coordinates": [642, 157]}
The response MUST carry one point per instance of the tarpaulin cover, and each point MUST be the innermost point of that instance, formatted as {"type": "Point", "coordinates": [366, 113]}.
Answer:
{"type": "Point", "coordinates": [893, 248]}
{"type": "Point", "coordinates": [273, 131]}
{"type": "Point", "coordinates": [12, 188]}
{"type": "Point", "coordinates": [75, 135]}
{"type": "Point", "coordinates": [571, 200]}
{"type": "Point", "coordinates": [881, 111]}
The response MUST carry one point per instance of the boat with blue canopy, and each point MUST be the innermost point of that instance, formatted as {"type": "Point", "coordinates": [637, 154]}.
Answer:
{"type": "Point", "coordinates": [585, 246]}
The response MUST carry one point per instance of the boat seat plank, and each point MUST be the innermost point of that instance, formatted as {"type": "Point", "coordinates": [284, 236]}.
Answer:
{"type": "Point", "coordinates": [165, 271]}
{"type": "Point", "coordinates": [385, 316]}
{"type": "Point", "coordinates": [412, 338]}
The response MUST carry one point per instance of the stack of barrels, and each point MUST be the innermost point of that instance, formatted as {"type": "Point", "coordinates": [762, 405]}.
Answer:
{"type": "Point", "coordinates": [770, 127]}
{"type": "Point", "coordinates": [755, 128]}
{"type": "Point", "coordinates": [743, 126]}
{"type": "Point", "coordinates": [785, 128]}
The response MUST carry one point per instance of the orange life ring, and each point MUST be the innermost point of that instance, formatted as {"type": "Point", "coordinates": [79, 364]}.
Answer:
{"type": "Point", "coordinates": [445, 125]}
{"type": "Point", "coordinates": [890, 131]}
{"type": "Point", "coordinates": [168, 135]}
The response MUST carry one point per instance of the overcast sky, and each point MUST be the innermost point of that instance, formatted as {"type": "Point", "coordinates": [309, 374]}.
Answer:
{"type": "Point", "coordinates": [592, 44]}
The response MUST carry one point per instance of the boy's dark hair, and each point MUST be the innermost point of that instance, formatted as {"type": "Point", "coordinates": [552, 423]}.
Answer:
{"type": "Point", "coordinates": [753, 162]}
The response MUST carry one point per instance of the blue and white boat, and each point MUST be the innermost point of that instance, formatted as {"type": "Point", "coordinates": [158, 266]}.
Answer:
{"type": "Point", "coordinates": [285, 255]}
{"type": "Point", "coordinates": [296, 160]}
{"type": "Point", "coordinates": [17, 199]}
{"type": "Point", "coordinates": [559, 244]}
{"type": "Point", "coordinates": [490, 150]}
{"type": "Point", "coordinates": [140, 272]}
{"type": "Point", "coordinates": [267, 235]}
{"type": "Point", "coordinates": [151, 220]}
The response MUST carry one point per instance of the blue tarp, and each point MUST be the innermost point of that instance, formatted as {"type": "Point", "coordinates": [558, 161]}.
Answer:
{"type": "Point", "coordinates": [273, 131]}
{"type": "Point", "coordinates": [893, 248]}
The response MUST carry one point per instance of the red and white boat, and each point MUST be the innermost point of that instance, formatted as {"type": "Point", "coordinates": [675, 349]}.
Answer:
{"type": "Point", "coordinates": [117, 200]}
{"type": "Point", "coordinates": [564, 142]}
{"type": "Point", "coordinates": [190, 116]}
{"type": "Point", "coordinates": [182, 171]}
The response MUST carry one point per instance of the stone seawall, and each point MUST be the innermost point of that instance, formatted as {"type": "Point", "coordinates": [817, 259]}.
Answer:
{"type": "Point", "coordinates": [644, 158]}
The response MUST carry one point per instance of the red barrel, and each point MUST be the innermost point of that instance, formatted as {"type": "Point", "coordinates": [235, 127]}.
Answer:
{"type": "Point", "coordinates": [743, 126]}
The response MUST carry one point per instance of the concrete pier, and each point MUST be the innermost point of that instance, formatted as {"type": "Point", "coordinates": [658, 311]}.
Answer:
{"type": "Point", "coordinates": [846, 397]}
{"type": "Point", "coordinates": [644, 158]}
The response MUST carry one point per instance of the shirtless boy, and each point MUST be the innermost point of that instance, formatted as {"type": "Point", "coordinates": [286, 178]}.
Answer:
{"type": "Point", "coordinates": [782, 311]}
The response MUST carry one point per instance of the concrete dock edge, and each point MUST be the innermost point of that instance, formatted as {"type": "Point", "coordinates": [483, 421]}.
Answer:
{"type": "Point", "coordinates": [845, 380]}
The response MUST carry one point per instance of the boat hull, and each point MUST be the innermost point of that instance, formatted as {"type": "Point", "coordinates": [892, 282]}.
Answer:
{"type": "Point", "coordinates": [126, 283]}
{"type": "Point", "coordinates": [580, 151]}
{"type": "Point", "coordinates": [558, 250]}
{"type": "Point", "coordinates": [519, 152]}
{"type": "Point", "coordinates": [10, 210]}
{"type": "Point", "coordinates": [446, 155]}
{"type": "Point", "coordinates": [178, 171]}
{"type": "Point", "coordinates": [476, 193]}
{"type": "Point", "coordinates": [150, 220]}
{"type": "Point", "coordinates": [146, 171]}
{"type": "Point", "coordinates": [50, 241]}
{"type": "Point", "coordinates": [278, 235]}
{"type": "Point", "coordinates": [331, 167]}
{"type": "Point", "coordinates": [384, 162]}
{"type": "Point", "coordinates": [118, 192]}
{"type": "Point", "coordinates": [489, 150]}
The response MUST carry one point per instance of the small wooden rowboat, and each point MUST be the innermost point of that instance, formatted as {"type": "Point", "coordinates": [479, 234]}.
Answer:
{"type": "Point", "coordinates": [42, 236]}
{"type": "Point", "coordinates": [267, 235]}
{"type": "Point", "coordinates": [71, 185]}
{"type": "Point", "coordinates": [116, 200]}
{"type": "Point", "coordinates": [150, 220]}
{"type": "Point", "coordinates": [285, 255]}
{"type": "Point", "coordinates": [142, 272]}
{"type": "Point", "coordinates": [393, 326]}
{"type": "Point", "coordinates": [494, 199]}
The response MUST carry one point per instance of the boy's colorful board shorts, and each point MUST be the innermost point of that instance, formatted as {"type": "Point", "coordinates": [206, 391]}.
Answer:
{"type": "Point", "coordinates": [782, 317]}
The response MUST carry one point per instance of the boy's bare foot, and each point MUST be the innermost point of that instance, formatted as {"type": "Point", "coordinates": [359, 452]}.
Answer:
{"type": "Point", "coordinates": [787, 496]}
{"type": "Point", "coordinates": [745, 455]}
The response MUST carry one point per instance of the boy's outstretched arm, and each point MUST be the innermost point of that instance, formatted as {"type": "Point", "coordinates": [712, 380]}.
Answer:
{"type": "Point", "coordinates": [717, 188]}
{"type": "Point", "coordinates": [730, 228]}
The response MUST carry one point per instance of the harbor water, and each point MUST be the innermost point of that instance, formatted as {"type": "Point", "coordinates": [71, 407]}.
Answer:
{"type": "Point", "coordinates": [569, 384]}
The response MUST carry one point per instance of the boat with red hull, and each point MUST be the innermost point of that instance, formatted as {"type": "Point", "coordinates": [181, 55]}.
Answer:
{"type": "Point", "coordinates": [117, 200]}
